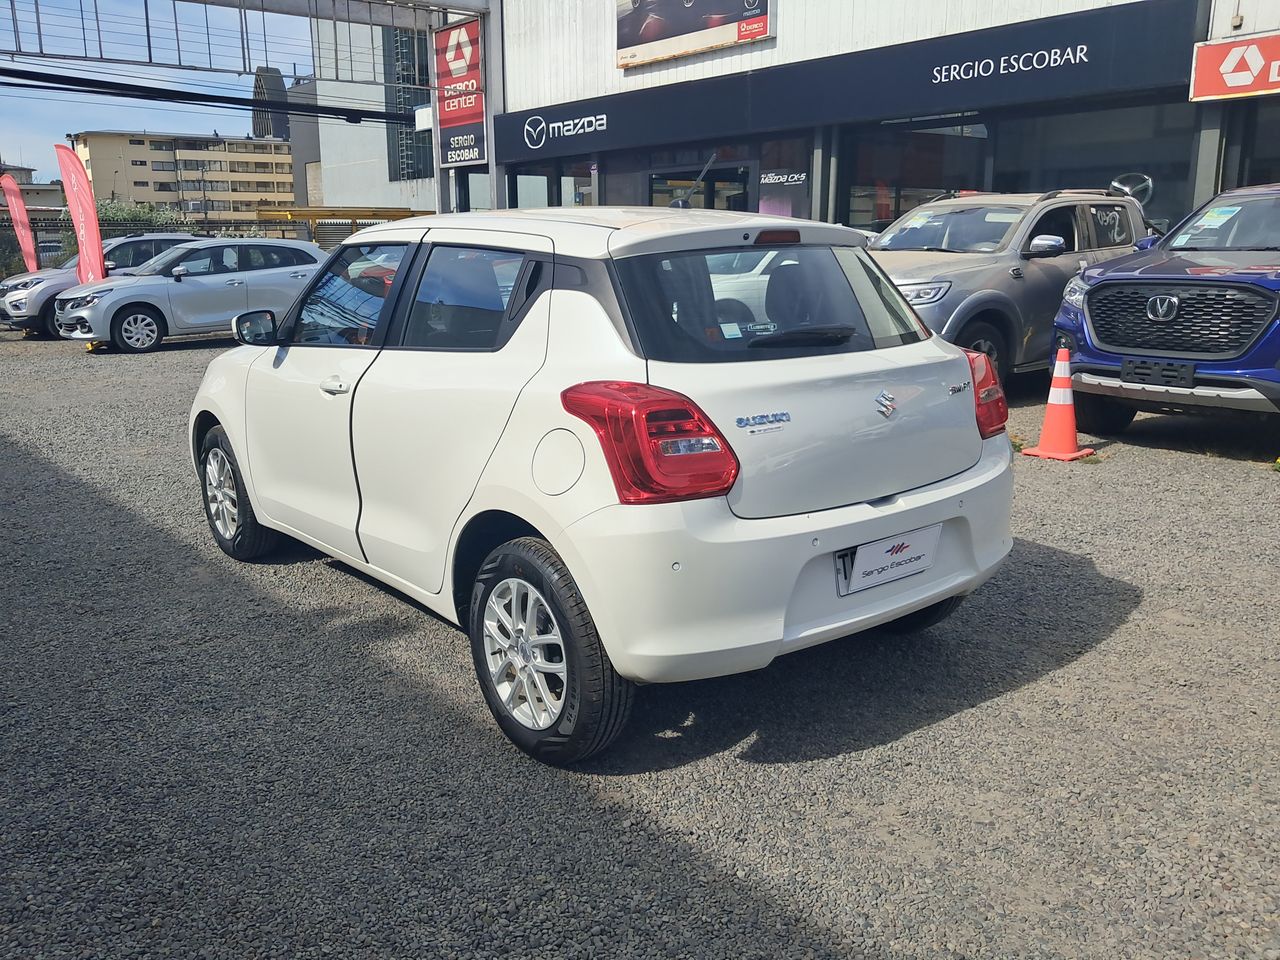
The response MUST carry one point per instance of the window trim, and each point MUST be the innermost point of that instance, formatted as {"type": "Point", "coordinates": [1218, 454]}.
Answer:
{"type": "Point", "coordinates": [413, 252]}
{"type": "Point", "coordinates": [512, 316]}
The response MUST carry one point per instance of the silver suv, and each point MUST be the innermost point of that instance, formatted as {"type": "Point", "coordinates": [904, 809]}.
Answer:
{"type": "Point", "coordinates": [986, 270]}
{"type": "Point", "coordinates": [26, 299]}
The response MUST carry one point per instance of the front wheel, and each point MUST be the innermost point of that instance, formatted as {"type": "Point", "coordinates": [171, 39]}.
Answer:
{"type": "Point", "coordinates": [226, 504]}
{"type": "Point", "coordinates": [49, 321]}
{"type": "Point", "coordinates": [1102, 416]}
{"type": "Point", "coordinates": [137, 329]}
{"type": "Point", "coordinates": [544, 672]}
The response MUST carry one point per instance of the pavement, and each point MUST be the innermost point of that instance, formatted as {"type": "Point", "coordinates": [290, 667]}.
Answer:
{"type": "Point", "coordinates": [200, 758]}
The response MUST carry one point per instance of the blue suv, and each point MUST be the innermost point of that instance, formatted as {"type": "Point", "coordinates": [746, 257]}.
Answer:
{"type": "Point", "coordinates": [1185, 324]}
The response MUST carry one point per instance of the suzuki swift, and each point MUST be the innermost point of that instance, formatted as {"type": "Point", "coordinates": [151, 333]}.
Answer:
{"type": "Point", "coordinates": [545, 427]}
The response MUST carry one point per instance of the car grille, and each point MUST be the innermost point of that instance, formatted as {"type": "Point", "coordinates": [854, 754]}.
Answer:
{"type": "Point", "coordinates": [1212, 320]}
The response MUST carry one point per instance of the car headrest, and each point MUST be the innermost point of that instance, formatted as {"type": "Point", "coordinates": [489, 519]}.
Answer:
{"type": "Point", "coordinates": [785, 299]}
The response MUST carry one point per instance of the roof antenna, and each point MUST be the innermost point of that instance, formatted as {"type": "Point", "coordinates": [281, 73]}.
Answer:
{"type": "Point", "coordinates": [682, 203]}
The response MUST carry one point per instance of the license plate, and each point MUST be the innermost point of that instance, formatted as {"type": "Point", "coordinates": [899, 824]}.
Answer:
{"type": "Point", "coordinates": [1163, 373]}
{"type": "Point", "coordinates": [892, 558]}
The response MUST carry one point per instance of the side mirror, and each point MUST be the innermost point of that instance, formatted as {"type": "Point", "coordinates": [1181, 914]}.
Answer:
{"type": "Point", "coordinates": [1045, 245]}
{"type": "Point", "coordinates": [108, 265]}
{"type": "Point", "coordinates": [179, 272]}
{"type": "Point", "coordinates": [1146, 243]}
{"type": "Point", "coordinates": [257, 328]}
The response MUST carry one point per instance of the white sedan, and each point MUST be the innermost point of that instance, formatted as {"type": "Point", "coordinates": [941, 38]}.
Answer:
{"type": "Point", "coordinates": [192, 288]}
{"type": "Point", "coordinates": [541, 426]}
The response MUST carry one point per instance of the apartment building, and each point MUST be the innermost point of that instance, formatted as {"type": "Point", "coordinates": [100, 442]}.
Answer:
{"type": "Point", "coordinates": [214, 177]}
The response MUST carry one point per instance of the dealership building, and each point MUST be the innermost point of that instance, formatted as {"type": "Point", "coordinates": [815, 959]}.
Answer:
{"type": "Point", "coordinates": [854, 112]}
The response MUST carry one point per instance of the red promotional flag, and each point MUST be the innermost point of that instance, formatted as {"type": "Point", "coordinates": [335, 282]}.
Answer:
{"type": "Point", "coordinates": [21, 223]}
{"type": "Point", "coordinates": [84, 215]}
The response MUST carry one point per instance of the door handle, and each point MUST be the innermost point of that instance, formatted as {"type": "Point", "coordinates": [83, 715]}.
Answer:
{"type": "Point", "coordinates": [334, 386]}
{"type": "Point", "coordinates": [299, 276]}
{"type": "Point", "coordinates": [234, 283]}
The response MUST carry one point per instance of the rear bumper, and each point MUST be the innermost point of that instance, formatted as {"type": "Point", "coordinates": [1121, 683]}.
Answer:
{"type": "Point", "coordinates": [688, 591]}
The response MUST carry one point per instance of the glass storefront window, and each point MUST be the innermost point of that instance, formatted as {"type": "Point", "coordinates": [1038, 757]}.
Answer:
{"type": "Point", "coordinates": [577, 184]}
{"type": "Point", "coordinates": [1261, 160]}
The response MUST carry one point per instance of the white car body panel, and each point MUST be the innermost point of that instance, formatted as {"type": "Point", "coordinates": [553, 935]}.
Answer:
{"type": "Point", "coordinates": [677, 590]}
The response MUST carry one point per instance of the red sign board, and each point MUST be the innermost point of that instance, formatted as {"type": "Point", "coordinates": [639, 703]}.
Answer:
{"type": "Point", "coordinates": [84, 215]}
{"type": "Point", "coordinates": [1242, 67]}
{"type": "Point", "coordinates": [21, 224]}
{"type": "Point", "coordinates": [459, 95]}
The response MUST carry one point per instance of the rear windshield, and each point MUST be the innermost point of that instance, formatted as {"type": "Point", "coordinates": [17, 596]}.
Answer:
{"type": "Point", "coordinates": [765, 303]}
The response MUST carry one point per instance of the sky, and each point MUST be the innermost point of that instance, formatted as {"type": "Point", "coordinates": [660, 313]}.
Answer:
{"type": "Point", "coordinates": [31, 122]}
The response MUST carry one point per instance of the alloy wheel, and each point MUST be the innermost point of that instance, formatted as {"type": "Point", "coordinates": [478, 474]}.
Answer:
{"type": "Point", "coordinates": [525, 654]}
{"type": "Point", "coordinates": [220, 492]}
{"type": "Point", "coordinates": [139, 330]}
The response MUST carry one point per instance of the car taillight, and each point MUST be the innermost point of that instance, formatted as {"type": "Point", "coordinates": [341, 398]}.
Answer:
{"type": "Point", "coordinates": [988, 395]}
{"type": "Point", "coordinates": [659, 446]}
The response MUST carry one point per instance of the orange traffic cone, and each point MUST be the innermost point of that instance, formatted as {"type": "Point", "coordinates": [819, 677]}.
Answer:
{"type": "Point", "coordinates": [1058, 436]}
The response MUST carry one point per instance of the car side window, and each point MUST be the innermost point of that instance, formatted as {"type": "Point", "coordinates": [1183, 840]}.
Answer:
{"type": "Point", "coordinates": [298, 258]}
{"type": "Point", "coordinates": [1058, 222]}
{"type": "Point", "coordinates": [132, 254]}
{"type": "Point", "coordinates": [207, 260]}
{"type": "Point", "coordinates": [344, 306]}
{"type": "Point", "coordinates": [462, 299]}
{"type": "Point", "coordinates": [259, 256]}
{"type": "Point", "coordinates": [1112, 226]}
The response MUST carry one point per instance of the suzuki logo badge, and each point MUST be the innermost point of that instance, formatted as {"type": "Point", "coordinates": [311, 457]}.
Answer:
{"type": "Point", "coordinates": [535, 132]}
{"type": "Point", "coordinates": [457, 53]}
{"type": "Point", "coordinates": [1235, 74]}
{"type": "Point", "coordinates": [885, 404]}
{"type": "Point", "coordinates": [1162, 308]}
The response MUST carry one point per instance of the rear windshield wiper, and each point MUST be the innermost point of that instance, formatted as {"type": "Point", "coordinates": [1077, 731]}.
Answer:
{"type": "Point", "coordinates": [806, 336]}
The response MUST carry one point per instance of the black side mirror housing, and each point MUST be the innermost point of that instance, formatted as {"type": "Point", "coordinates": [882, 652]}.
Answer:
{"type": "Point", "coordinates": [257, 328]}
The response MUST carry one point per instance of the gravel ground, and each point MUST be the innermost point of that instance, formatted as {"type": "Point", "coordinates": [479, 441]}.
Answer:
{"type": "Point", "coordinates": [205, 759]}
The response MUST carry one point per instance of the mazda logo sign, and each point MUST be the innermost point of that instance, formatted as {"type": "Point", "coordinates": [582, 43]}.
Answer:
{"type": "Point", "coordinates": [1162, 308]}
{"type": "Point", "coordinates": [535, 132]}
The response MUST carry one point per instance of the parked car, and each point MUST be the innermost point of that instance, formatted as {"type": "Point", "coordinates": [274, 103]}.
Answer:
{"type": "Point", "coordinates": [987, 271]}
{"type": "Point", "coordinates": [192, 288]}
{"type": "Point", "coordinates": [598, 478]}
{"type": "Point", "coordinates": [27, 299]}
{"type": "Point", "coordinates": [1186, 324]}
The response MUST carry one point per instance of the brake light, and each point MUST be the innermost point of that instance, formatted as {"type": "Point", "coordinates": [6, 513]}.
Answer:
{"type": "Point", "coordinates": [988, 395]}
{"type": "Point", "coordinates": [659, 446]}
{"type": "Point", "coordinates": [777, 237]}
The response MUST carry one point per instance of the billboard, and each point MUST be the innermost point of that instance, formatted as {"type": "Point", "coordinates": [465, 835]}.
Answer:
{"type": "Point", "coordinates": [652, 30]}
{"type": "Point", "coordinates": [1241, 67]}
{"type": "Point", "coordinates": [459, 95]}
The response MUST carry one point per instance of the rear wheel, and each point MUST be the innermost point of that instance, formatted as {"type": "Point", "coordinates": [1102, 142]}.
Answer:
{"type": "Point", "coordinates": [544, 672]}
{"type": "Point", "coordinates": [137, 329]}
{"type": "Point", "coordinates": [226, 504]}
{"type": "Point", "coordinates": [1102, 416]}
{"type": "Point", "coordinates": [983, 337]}
{"type": "Point", "coordinates": [923, 619]}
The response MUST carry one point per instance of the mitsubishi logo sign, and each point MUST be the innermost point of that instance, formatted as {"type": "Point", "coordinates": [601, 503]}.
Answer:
{"type": "Point", "coordinates": [458, 52]}
{"type": "Point", "coordinates": [535, 132]}
{"type": "Point", "coordinates": [1242, 66]}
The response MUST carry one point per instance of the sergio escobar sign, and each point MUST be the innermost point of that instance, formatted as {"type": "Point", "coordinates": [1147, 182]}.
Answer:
{"type": "Point", "coordinates": [460, 95]}
{"type": "Point", "coordinates": [1024, 62]}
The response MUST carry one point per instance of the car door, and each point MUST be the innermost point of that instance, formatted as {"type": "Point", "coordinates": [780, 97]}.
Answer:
{"type": "Point", "coordinates": [276, 275]}
{"type": "Point", "coordinates": [298, 395]}
{"type": "Point", "coordinates": [433, 406]}
{"type": "Point", "coordinates": [1044, 278]}
{"type": "Point", "coordinates": [1111, 231]}
{"type": "Point", "coordinates": [212, 291]}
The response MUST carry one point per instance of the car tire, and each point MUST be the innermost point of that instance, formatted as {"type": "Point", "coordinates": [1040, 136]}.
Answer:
{"type": "Point", "coordinates": [983, 337]}
{"type": "Point", "coordinates": [559, 700]}
{"type": "Point", "coordinates": [1102, 416]}
{"type": "Point", "coordinates": [923, 619]}
{"type": "Point", "coordinates": [138, 329]}
{"type": "Point", "coordinates": [49, 321]}
{"type": "Point", "coordinates": [243, 537]}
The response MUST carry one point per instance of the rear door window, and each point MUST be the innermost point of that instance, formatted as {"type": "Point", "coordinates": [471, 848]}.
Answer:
{"type": "Point", "coordinates": [462, 298]}
{"type": "Point", "coordinates": [707, 307]}
{"type": "Point", "coordinates": [1111, 224]}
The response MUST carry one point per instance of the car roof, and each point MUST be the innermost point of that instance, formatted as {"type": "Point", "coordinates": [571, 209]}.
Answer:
{"type": "Point", "coordinates": [196, 243]}
{"type": "Point", "coordinates": [598, 232]}
{"type": "Point", "coordinates": [1259, 189]}
{"type": "Point", "coordinates": [151, 236]}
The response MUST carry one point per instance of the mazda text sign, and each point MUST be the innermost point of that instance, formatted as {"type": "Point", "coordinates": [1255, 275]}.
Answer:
{"type": "Point", "coordinates": [460, 95]}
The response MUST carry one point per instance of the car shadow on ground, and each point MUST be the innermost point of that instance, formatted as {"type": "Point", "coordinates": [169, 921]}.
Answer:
{"type": "Point", "coordinates": [1232, 436]}
{"type": "Point", "coordinates": [1043, 609]}
{"type": "Point", "coordinates": [207, 758]}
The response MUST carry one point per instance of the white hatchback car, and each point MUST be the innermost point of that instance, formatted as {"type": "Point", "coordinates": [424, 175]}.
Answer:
{"type": "Point", "coordinates": [192, 288]}
{"type": "Point", "coordinates": [542, 426]}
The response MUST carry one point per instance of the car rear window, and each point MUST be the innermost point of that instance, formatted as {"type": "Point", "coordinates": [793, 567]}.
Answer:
{"type": "Point", "coordinates": [766, 303]}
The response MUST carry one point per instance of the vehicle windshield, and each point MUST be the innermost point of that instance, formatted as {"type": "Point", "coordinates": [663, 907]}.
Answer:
{"type": "Point", "coordinates": [981, 228]}
{"type": "Point", "coordinates": [763, 303]}
{"type": "Point", "coordinates": [1231, 223]}
{"type": "Point", "coordinates": [162, 261]}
